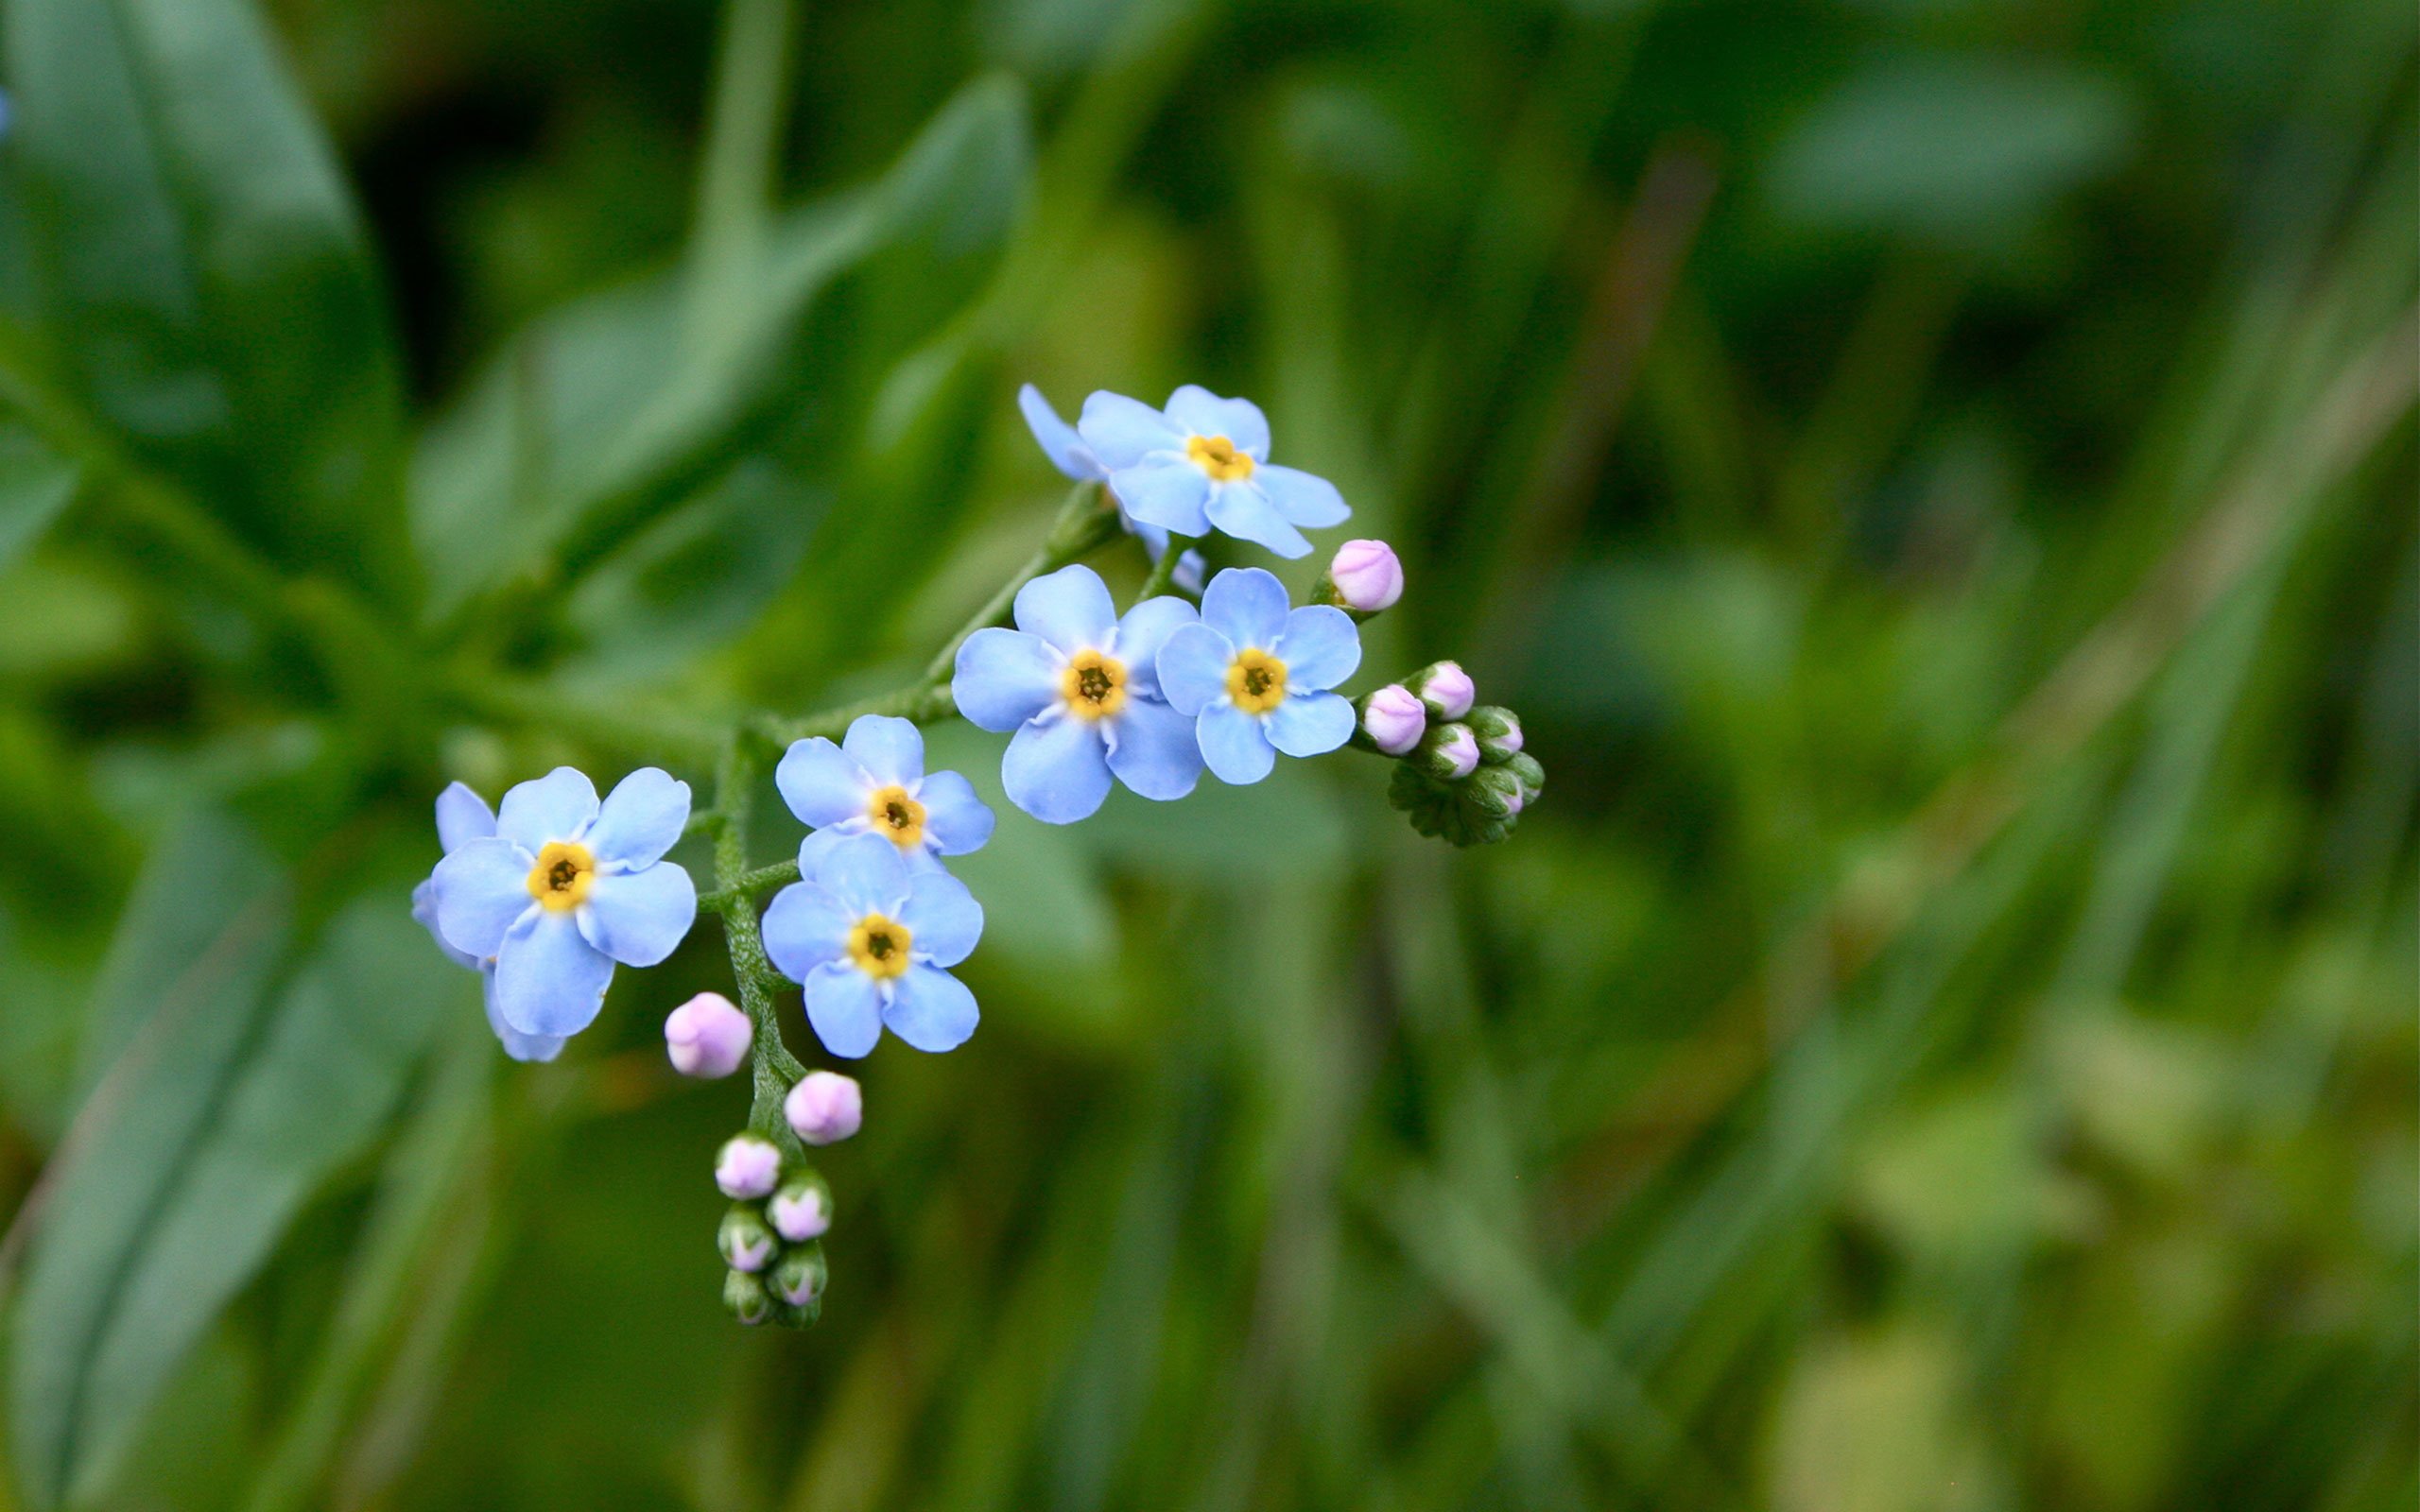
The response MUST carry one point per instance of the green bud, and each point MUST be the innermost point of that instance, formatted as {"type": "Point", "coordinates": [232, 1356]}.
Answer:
{"type": "Point", "coordinates": [745, 1239]}
{"type": "Point", "coordinates": [1493, 793]}
{"type": "Point", "coordinates": [1532, 776]}
{"type": "Point", "coordinates": [1498, 731]}
{"type": "Point", "coordinates": [744, 1295]}
{"type": "Point", "coordinates": [798, 1281]}
{"type": "Point", "coordinates": [1447, 752]}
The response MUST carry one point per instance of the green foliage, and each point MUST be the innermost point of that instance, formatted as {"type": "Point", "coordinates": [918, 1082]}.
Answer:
{"type": "Point", "coordinates": [1933, 481]}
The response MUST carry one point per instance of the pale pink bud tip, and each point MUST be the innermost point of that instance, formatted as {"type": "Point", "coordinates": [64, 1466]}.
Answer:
{"type": "Point", "coordinates": [824, 1108]}
{"type": "Point", "coordinates": [1394, 719]}
{"type": "Point", "coordinates": [1368, 575]}
{"type": "Point", "coordinates": [800, 1215]}
{"type": "Point", "coordinates": [1460, 750]}
{"type": "Point", "coordinates": [707, 1036]}
{"type": "Point", "coordinates": [1450, 689]}
{"type": "Point", "coordinates": [747, 1167]}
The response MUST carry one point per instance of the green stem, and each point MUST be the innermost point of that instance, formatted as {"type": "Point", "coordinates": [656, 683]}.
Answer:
{"type": "Point", "coordinates": [776, 1071]}
{"type": "Point", "coordinates": [1162, 576]}
{"type": "Point", "coordinates": [742, 890]}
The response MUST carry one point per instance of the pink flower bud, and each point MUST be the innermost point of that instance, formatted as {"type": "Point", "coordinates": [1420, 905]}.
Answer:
{"type": "Point", "coordinates": [1448, 690]}
{"type": "Point", "coordinates": [746, 1166]}
{"type": "Point", "coordinates": [707, 1036]}
{"type": "Point", "coordinates": [1394, 719]}
{"type": "Point", "coordinates": [800, 1212]}
{"type": "Point", "coordinates": [1367, 574]}
{"type": "Point", "coordinates": [824, 1108]}
{"type": "Point", "coordinates": [1457, 752]}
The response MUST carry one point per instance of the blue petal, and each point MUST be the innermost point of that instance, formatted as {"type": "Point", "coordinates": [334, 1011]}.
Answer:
{"type": "Point", "coordinates": [1055, 769]}
{"type": "Point", "coordinates": [549, 979]}
{"type": "Point", "coordinates": [930, 1009]}
{"type": "Point", "coordinates": [1166, 491]}
{"type": "Point", "coordinates": [956, 822]}
{"type": "Point", "coordinates": [1153, 750]}
{"type": "Point", "coordinates": [462, 814]}
{"type": "Point", "coordinates": [642, 818]}
{"type": "Point", "coordinates": [845, 1008]}
{"type": "Point", "coordinates": [425, 915]}
{"type": "Point", "coordinates": [944, 920]}
{"type": "Point", "coordinates": [1004, 678]}
{"type": "Point", "coordinates": [890, 750]}
{"type": "Point", "coordinates": [1320, 646]}
{"type": "Point", "coordinates": [1204, 413]}
{"type": "Point", "coordinates": [1069, 609]}
{"type": "Point", "coordinates": [1243, 511]}
{"type": "Point", "coordinates": [1123, 431]}
{"type": "Point", "coordinates": [822, 783]}
{"type": "Point", "coordinates": [805, 927]}
{"type": "Point", "coordinates": [639, 917]}
{"type": "Point", "coordinates": [1309, 723]}
{"type": "Point", "coordinates": [1059, 440]}
{"type": "Point", "coordinates": [556, 806]}
{"type": "Point", "coordinates": [865, 873]}
{"type": "Point", "coordinates": [1234, 744]}
{"type": "Point", "coordinates": [1192, 665]}
{"type": "Point", "coordinates": [1310, 502]}
{"type": "Point", "coordinates": [516, 1044]}
{"type": "Point", "coordinates": [482, 888]}
{"type": "Point", "coordinates": [1143, 631]}
{"type": "Point", "coordinates": [1247, 606]}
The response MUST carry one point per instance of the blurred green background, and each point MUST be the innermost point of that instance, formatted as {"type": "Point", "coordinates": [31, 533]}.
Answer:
{"type": "Point", "coordinates": [1936, 476]}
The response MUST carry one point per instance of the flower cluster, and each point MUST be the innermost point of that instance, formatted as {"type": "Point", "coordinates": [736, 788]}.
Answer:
{"type": "Point", "coordinates": [547, 894]}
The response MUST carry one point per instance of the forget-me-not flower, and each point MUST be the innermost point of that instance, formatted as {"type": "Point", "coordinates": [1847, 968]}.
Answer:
{"type": "Point", "coordinates": [871, 940]}
{"type": "Point", "coordinates": [1255, 673]}
{"type": "Point", "coordinates": [1080, 688]}
{"type": "Point", "coordinates": [564, 889]}
{"type": "Point", "coordinates": [1203, 463]}
{"type": "Point", "coordinates": [875, 782]}
{"type": "Point", "coordinates": [462, 814]}
{"type": "Point", "coordinates": [1071, 457]}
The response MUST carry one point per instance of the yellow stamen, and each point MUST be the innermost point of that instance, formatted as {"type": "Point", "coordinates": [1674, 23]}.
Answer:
{"type": "Point", "coordinates": [897, 816]}
{"type": "Point", "coordinates": [1256, 681]}
{"type": "Point", "coordinates": [1218, 456]}
{"type": "Point", "coordinates": [562, 876]}
{"type": "Point", "coordinates": [1092, 684]}
{"type": "Point", "coordinates": [879, 946]}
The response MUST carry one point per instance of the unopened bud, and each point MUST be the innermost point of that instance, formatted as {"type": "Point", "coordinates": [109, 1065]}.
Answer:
{"type": "Point", "coordinates": [1393, 720]}
{"type": "Point", "coordinates": [746, 1166]}
{"type": "Point", "coordinates": [745, 1241]}
{"type": "Point", "coordinates": [802, 1209]}
{"type": "Point", "coordinates": [824, 1106]}
{"type": "Point", "coordinates": [1364, 577]}
{"type": "Point", "coordinates": [1446, 688]}
{"type": "Point", "coordinates": [798, 1281]}
{"type": "Point", "coordinates": [1494, 793]}
{"type": "Point", "coordinates": [707, 1036]}
{"type": "Point", "coordinates": [1447, 752]}
{"type": "Point", "coordinates": [1532, 776]}
{"type": "Point", "coordinates": [1498, 731]}
{"type": "Point", "coordinates": [746, 1296]}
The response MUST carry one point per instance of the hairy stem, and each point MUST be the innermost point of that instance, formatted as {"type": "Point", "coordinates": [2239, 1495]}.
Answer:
{"type": "Point", "coordinates": [775, 1069]}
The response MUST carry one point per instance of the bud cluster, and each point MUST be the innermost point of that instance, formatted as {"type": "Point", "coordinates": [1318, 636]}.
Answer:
{"type": "Point", "coordinates": [771, 1236]}
{"type": "Point", "coordinates": [1461, 775]}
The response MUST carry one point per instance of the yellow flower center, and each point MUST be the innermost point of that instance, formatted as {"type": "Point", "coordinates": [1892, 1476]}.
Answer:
{"type": "Point", "coordinates": [1218, 456]}
{"type": "Point", "coordinates": [897, 816]}
{"type": "Point", "coordinates": [562, 876]}
{"type": "Point", "coordinates": [879, 946]}
{"type": "Point", "coordinates": [1256, 681]}
{"type": "Point", "coordinates": [1092, 684]}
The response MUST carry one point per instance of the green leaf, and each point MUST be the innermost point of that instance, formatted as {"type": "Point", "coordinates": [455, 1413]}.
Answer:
{"type": "Point", "coordinates": [35, 484]}
{"type": "Point", "coordinates": [605, 413]}
{"type": "Point", "coordinates": [206, 1150]}
{"type": "Point", "coordinates": [202, 274]}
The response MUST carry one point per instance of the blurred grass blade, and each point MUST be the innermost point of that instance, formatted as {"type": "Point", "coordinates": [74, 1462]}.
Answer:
{"type": "Point", "coordinates": [203, 275]}
{"type": "Point", "coordinates": [35, 485]}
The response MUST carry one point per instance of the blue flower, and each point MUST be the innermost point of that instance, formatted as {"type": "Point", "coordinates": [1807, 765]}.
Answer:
{"type": "Point", "coordinates": [874, 781]}
{"type": "Point", "coordinates": [871, 940]}
{"type": "Point", "coordinates": [462, 814]}
{"type": "Point", "coordinates": [1255, 675]}
{"type": "Point", "coordinates": [1203, 463]}
{"type": "Point", "coordinates": [1080, 688]}
{"type": "Point", "coordinates": [562, 890]}
{"type": "Point", "coordinates": [1070, 455]}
